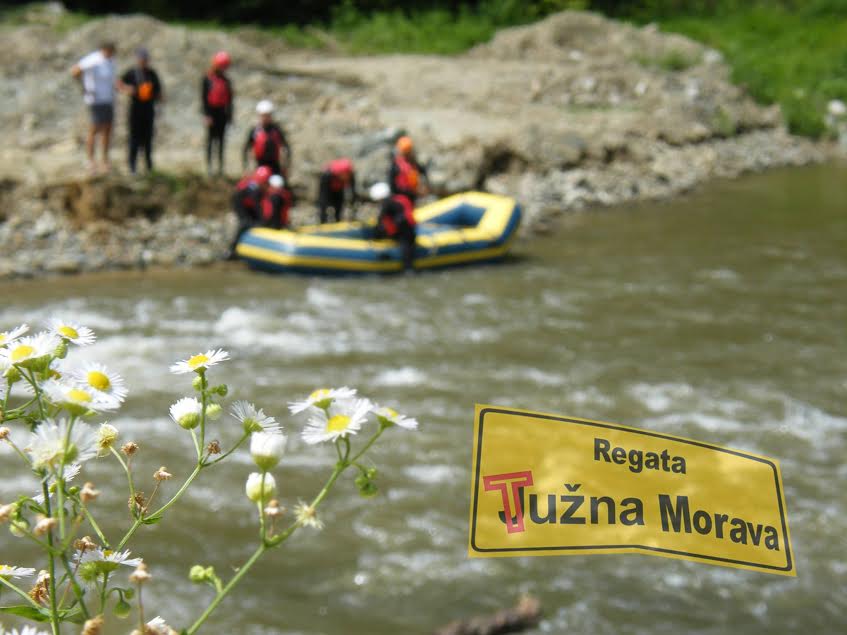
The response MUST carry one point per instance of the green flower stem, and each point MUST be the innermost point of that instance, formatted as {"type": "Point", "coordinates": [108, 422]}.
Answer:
{"type": "Point", "coordinates": [14, 413]}
{"type": "Point", "coordinates": [95, 527]}
{"type": "Point", "coordinates": [60, 479]}
{"type": "Point", "coordinates": [71, 571]}
{"type": "Point", "coordinates": [19, 452]}
{"type": "Point", "coordinates": [6, 401]}
{"type": "Point", "coordinates": [125, 466]}
{"type": "Point", "coordinates": [204, 400]}
{"type": "Point", "coordinates": [196, 444]}
{"type": "Point", "coordinates": [229, 586]}
{"type": "Point", "coordinates": [30, 377]}
{"type": "Point", "coordinates": [261, 505]}
{"type": "Point", "coordinates": [23, 594]}
{"type": "Point", "coordinates": [103, 593]}
{"type": "Point", "coordinates": [226, 454]}
{"type": "Point", "coordinates": [368, 445]}
{"type": "Point", "coordinates": [54, 612]}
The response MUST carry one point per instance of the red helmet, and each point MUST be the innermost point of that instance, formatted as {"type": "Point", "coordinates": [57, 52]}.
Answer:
{"type": "Point", "coordinates": [221, 60]}
{"type": "Point", "coordinates": [262, 174]}
{"type": "Point", "coordinates": [339, 167]}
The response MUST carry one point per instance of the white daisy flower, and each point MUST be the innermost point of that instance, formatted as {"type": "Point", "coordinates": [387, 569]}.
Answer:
{"type": "Point", "coordinates": [253, 419]}
{"type": "Point", "coordinates": [31, 347]}
{"type": "Point", "coordinates": [307, 516]}
{"type": "Point", "coordinates": [47, 443]}
{"type": "Point", "coordinates": [8, 571]}
{"type": "Point", "coordinates": [105, 555]}
{"type": "Point", "coordinates": [254, 490]}
{"type": "Point", "coordinates": [7, 337]}
{"type": "Point", "coordinates": [390, 417]}
{"type": "Point", "coordinates": [96, 377]}
{"type": "Point", "coordinates": [158, 626]}
{"type": "Point", "coordinates": [201, 361]}
{"type": "Point", "coordinates": [321, 398]}
{"type": "Point", "coordinates": [75, 396]}
{"type": "Point", "coordinates": [187, 412]}
{"type": "Point", "coordinates": [68, 474]}
{"type": "Point", "coordinates": [72, 332]}
{"type": "Point", "coordinates": [267, 449]}
{"type": "Point", "coordinates": [26, 630]}
{"type": "Point", "coordinates": [340, 419]}
{"type": "Point", "coordinates": [93, 563]}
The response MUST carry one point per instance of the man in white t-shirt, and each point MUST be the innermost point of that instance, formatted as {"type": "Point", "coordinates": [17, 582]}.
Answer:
{"type": "Point", "coordinates": [96, 73]}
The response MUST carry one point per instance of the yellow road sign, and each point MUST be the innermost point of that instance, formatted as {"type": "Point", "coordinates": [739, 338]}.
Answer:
{"type": "Point", "coordinates": [547, 485]}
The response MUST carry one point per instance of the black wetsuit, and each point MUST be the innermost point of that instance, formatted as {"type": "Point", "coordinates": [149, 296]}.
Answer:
{"type": "Point", "coordinates": [247, 204]}
{"type": "Point", "coordinates": [331, 194]}
{"type": "Point", "coordinates": [397, 221]}
{"type": "Point", "coordinates": [142, 112]}
{"type": "Point", "coordinates": [217, 105]}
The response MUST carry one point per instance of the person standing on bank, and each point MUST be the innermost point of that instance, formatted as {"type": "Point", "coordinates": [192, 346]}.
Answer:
{"type": "Point", "coordinates": [267, 142]}
{"type": "Point", "coordinates": [96, 73]}
{"type": "Point", "coordinates": [142, 84]}
{"type": "Point", "coordinates": [217, 97]}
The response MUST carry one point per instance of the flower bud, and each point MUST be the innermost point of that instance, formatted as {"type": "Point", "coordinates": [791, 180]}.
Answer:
{"type": "Point", "coordinates": [88, 493]}
{"type": "Point", "coordinates": [162, 474]}
{"type": "Point", "coordinates": [140, 575]}
{"type": "Point", "coordinates": [106, 437]}
{"type": "Point", "coordinates": [94, 626]}
{"type": "Point", "coordinates": [267, 449]}
{"type": "Point", "coordinates": [221, 390]}
{"type": "Point", "coordinates": [254, 490]}
{"type": "Point", "coordinates": [214, 447]}
{"type": "Point", "coordinates": [61, 349]}
{"type": "Point", "coordinates": [6, 511]}
{"type": "Point", "coordinates": [4, 433]}
{"type": "Point", "coordinates": [44, 526]}
{"type": "Point", "coordinates": [197, 383]}
{"type": "Point", "coordinates": [129, 448]}
{"type": "Point", "coordinates": [18, 528]}
{"type": "Point", "coordinates": [197, 574]}
{"type": "Point", "coordinates": [213, 412]}
{"type": "Point", "coordinates": [122, 609]}
{"type": "Point", "coordinates": [12, 375]}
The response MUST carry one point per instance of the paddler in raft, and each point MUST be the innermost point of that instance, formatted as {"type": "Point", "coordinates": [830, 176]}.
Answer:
{"type": "Point", "coordinates": [407, 176]}
{"type": "Point", "coordinates": [247, 202]}
{"type": "Point", "coordinates": [337, 178]}
{"type": "Point", "coordinates": [396, 220]}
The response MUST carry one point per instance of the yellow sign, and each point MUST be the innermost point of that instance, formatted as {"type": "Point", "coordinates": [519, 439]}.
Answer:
{"type": "Point", "coordinates": [547, 485]}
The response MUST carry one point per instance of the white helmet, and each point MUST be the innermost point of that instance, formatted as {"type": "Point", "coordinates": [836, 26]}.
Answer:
{"type": "Point", "coordinates": [265, 107]}
{"type": "Point", "coordinates": [276, 181]}
{"type": "Point", "coordinates": [379, 191]}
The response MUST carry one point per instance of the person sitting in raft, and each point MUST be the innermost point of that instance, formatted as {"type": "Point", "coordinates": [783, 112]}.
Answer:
{"type": "Point", "coordinates": [247, 203]}
{"type": "Point", "coordinates": [267, 142]}
{"type": "Point", "coordinates": [396, 220]}
{"type": "Point", "coordinates": [276, 204]}
{"type": "Point", "coordinates": [337, 177]}
{"type": "Point", "coordinates": [406, 175]}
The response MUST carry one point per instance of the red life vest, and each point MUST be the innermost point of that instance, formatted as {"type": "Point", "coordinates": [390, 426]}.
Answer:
{"type": "Point", "coordinates": [390, 223]}
{"type": "Point", "coordinates": [339, 171]}
{"type": "Point", "coordinates": [249, 202]}
{"type": "Point", "coordinates": [266, 144]}
{"type": "Point", "coordinates": [408, 175]}
{"type": "Point", "coordinates": [219, 95]}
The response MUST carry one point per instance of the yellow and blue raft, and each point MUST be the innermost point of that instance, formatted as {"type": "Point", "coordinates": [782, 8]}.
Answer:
{"type": "Point", "coordinates": [461, 229]}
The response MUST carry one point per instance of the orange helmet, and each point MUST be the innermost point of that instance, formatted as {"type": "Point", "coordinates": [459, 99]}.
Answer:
{"type": "Point", "coordinates": [405, 145]}
{"type": "Point", "coordinates": [221, 60]}
{"type": "Point", "coordinates": [262, 174]}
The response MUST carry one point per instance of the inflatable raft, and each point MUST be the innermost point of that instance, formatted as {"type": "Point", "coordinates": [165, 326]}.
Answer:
{"type": "Point", "coordinates": [461, 229]}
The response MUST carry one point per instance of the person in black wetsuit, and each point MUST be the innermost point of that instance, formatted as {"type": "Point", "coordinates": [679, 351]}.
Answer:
{"type": "Point", "coordinates": [247, 203]}
{"type": "Point", "coordinates": [217, 97]}
{"type": "Point", "coordinates": [276, 204]}
{"type": "Point", "coordinates": [143, 86]}
{"type": "Point", "coordinates": [336, 179]}
{"type": "Point", "coordinates": [396, 220]}
{"type": "Point", "coordinates": [267, 142]}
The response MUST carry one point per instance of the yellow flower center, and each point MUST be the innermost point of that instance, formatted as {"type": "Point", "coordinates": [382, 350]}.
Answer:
{"type": "Point", "coordinates": [197, 360]}
{"type": "Point", "coordinates": [338, 423]}
{"type": "Point", "coordinates": [68, 332]}
{"type": "Point", "coordinates": [99, 380]}
{"type": "Point", "coordinates": [79, 395]}
{"type": "Point", "coordinates": [2, 339]}
{"type": "Point", "coordinates": [22, 352]}
{"type": "Point", "coordinates": [4, 567]}
{"type": "Point", "coordinates": [319, 394]}
{"type": "Point", "coordinates": [391, 413]}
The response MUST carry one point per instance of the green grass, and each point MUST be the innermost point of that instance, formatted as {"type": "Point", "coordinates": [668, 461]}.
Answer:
{"type": "Point", "coordinates": [672, 61]}
{"type": "Point", "coordinates": [797, 61]}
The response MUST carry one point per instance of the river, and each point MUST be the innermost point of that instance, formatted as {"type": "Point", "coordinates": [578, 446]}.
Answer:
{"type": "Point", "coordinates": [720, 316]}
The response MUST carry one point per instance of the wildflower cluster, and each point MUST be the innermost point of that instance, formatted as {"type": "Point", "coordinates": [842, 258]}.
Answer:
{"type": "Point", "coordinates": [48, 406]}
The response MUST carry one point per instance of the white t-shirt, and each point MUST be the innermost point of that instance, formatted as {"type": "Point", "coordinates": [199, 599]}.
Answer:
{"type": "Point", "coordinates": [98, 78]}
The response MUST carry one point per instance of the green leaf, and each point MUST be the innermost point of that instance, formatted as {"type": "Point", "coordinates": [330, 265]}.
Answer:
{"type": "Point", "coordinates": [25, 611]}
{"type": "Point", "coordinates": [74, 616]}
{"type": "Point", "coordinates": [153, 520]}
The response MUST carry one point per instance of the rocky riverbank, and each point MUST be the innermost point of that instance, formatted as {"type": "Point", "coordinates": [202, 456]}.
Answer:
{"type": "Point", "coordinates": [573, 112]}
